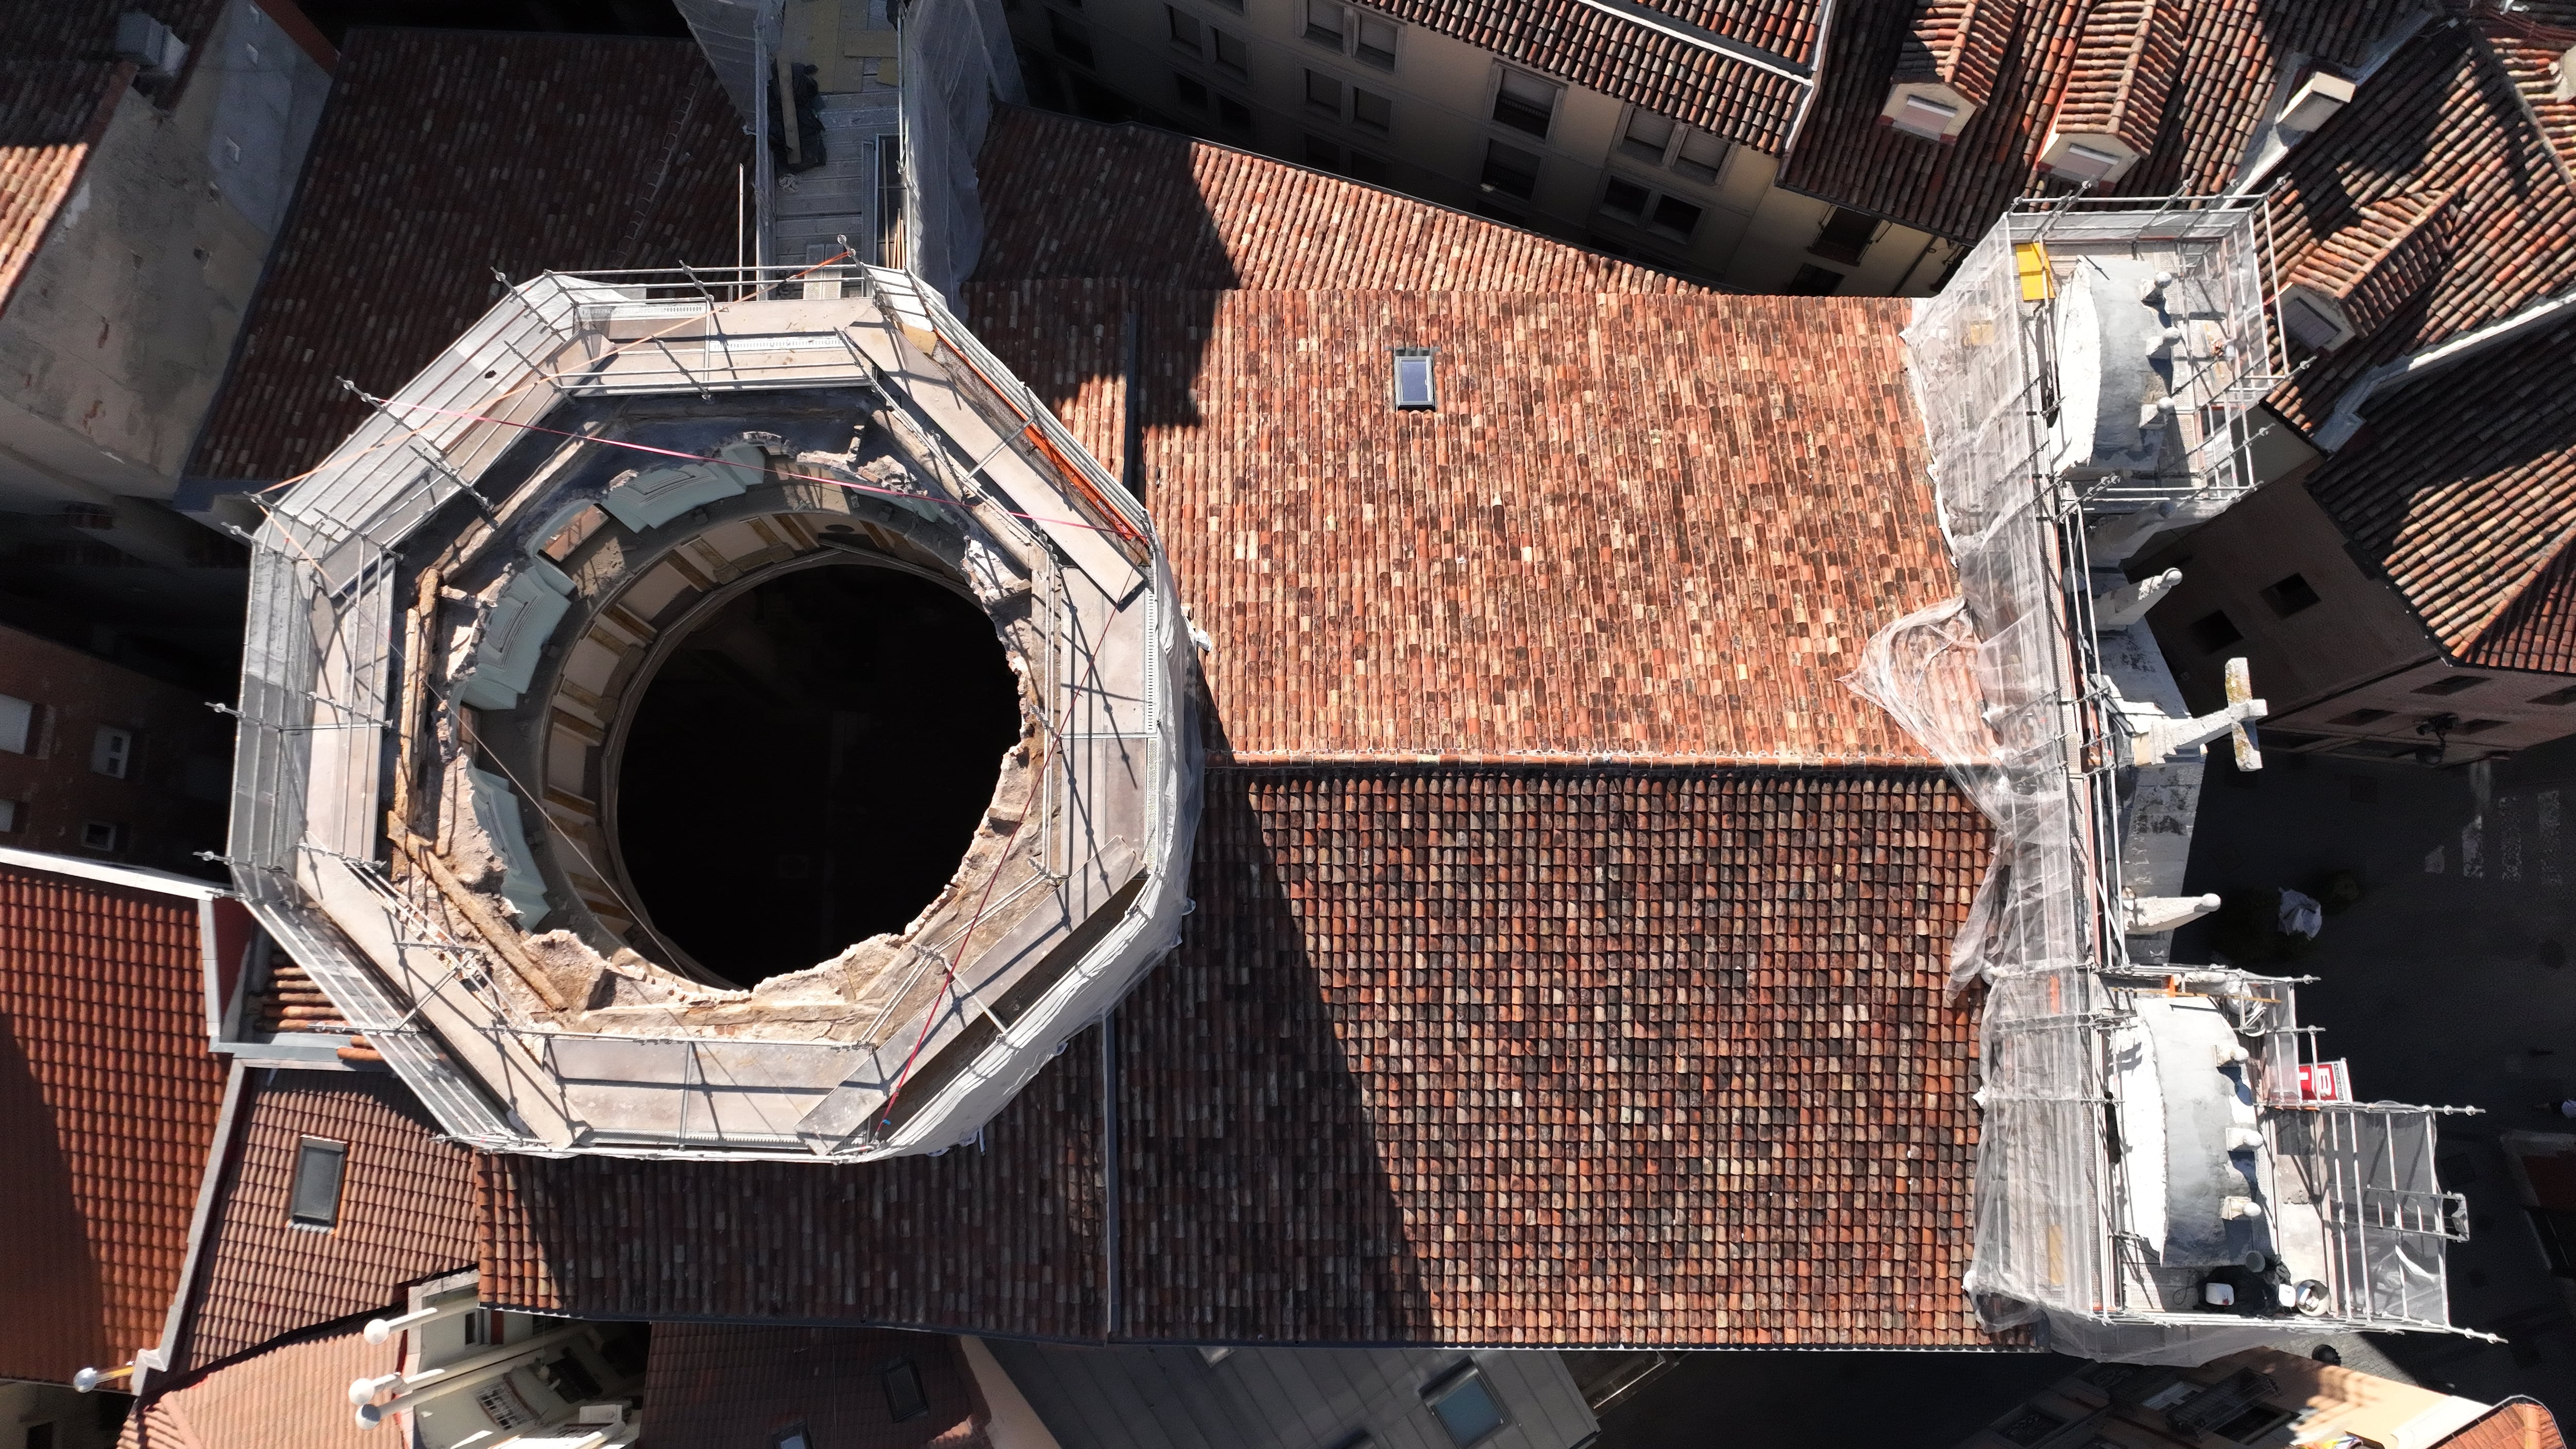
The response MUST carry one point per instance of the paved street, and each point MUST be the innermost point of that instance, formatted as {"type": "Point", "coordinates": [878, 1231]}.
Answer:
{"type": "Point", "coordinates": [2446, 984]}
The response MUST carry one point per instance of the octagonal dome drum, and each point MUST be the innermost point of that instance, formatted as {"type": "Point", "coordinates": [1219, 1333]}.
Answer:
{"type": "Point", "coordinates": [715, 720]}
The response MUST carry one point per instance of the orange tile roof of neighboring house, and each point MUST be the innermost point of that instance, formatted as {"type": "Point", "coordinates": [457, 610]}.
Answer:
{"type": "Point", "coordinates": [1646, 519]}
{"type": "Point", "coordinates": [2127, 54]}
{"type": "Point", "coordinates": [108, 1101]}
{"type": "Point", "coordinates": [2514, 1424]}
{"type": "Point", "coordinates": [441, 157]}
{"type": "Point", "coordinates": [1069, 199]}
{"type": "Point", "coordinates": [290, 1396]}
{"type": "Point", "coordinates": [2199, 98]}
{"type": "Point", "coordinates": [2461, 485]}
{"type": "Point", "coordinates": [1958, 43]}
{"type": "Point", "coordinates": [1638, 63]}
{"type": "Point", "coordinates": [406, 1213]}
{"type": "Point", "coordinates": [1622, 1055]}
{"type": "Point", "coordinates": [731, 1386]}
{"type": "Point", "coordinates": [59, 82]}
{"type": "Point", "coordinates": [2462, 491]}
{"type": "Point", "coordinates": [2447, 119]}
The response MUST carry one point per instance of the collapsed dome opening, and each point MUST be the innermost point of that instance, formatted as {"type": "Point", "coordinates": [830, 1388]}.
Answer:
{"type": "Point", "coordinates": [806, 768]}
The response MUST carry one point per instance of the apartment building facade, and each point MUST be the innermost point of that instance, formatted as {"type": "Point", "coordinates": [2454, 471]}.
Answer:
{"type": "Point", "coordinates": [1367, 94]}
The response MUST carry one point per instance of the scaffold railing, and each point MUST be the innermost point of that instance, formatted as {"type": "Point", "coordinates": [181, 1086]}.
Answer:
{"type": "Point", "coordinates": [2005, 684]}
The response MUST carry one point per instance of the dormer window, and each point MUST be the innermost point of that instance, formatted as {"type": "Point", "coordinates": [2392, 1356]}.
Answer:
{"type": "Point", "coordinates": [1932, 111]}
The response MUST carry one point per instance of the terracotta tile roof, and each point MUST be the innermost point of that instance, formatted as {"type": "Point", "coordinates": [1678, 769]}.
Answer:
{"type": "Point", "coordinates": [2444, 120]}
{"type": "Point", "coordinates": [59, 83]}
{"type": "Point", "coordinates": [730, 1386]}
{"type": "Point", "coordinates": [1070, 199]}
{"type": "Point", "coordinates": [2537, 630]}
{"type": "Point", "coordinates": [282, 1398]}
{"type": "Point", "coordinates": [2514, 1424]}
{"type": "Point", "coordinates": [108, 1099]}
{"type": "Point", "coordinates": [406, 1213]}
{"type": "Point", "coordinates": [1959, 43]}
{"type": "Point", "coordinates": [1652, 523]}
{"type": "Point", "coordinates": [2198, 97]}
{"type": "Point", "coordinates": [2126, 58]}
{"type": "Point", "coordinates": [1638, 63]}
{"type": "Point", "coordinates": [1471, 1055]}
{"type": "Point", "coordinates": [2461, 485]}
{"type": "Point", "coordinates": [442, 156]}
{"type": "Point", "coordinates": [2391, 251]}
{"type": "Point", "coordinates": [2462, 491]}
{"type": "Point", "coordinates": [1007, 1232]}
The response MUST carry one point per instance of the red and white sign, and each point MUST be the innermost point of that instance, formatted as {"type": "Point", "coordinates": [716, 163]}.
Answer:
{"type": "Point", "coordinates": [2325, 1082]}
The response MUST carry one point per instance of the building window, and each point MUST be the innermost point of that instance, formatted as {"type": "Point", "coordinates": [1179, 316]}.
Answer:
{"type": "Point", "coordinates": [1322, 153]}
{"type": "Point", "coordinates": [1231, 56]}
{"type": "Point", "coordinates": [8, 816]}
{"type": "Point", "coordinates": [17, 725]}
{"type": "Point", "coordinates": [1233, 114]}
{"type": "Point", "coordinates": [904, 1398]}
{"type": "Point", "coordinates": [1324, 93]}
{"type": "Point", "coordinates": [1414, 390]}
{"type": "Point", "coordinates": [2215, 631]}
{"type": "Point", "coordinates": [111, 751]}
{"type": "Point", "coordinates": [1071, 40]}
{"type": "Point", "coordinates": [1815, 281]}
{"type": "Point", "coordinates": [2453, 685]}
{"type": "Point", "coordinates": [794, 1436]}
{"type": "Point", "coordinates": [2360, 717]}
{"type": "Point", "coordinates": [1524, 102]}
{"type": "Point", "coordinates": [1660, 140]}
{"type": "Point", "coordinates": [1326, 23]}
{"type": "Point", "coordinates": [1466, 1408]}
{"type": "Point", "coordinates": [320, 1163]}
{"type": "Point", "coordinates": [1674, 218]}
{"type": "Point", "coordinates": [102, 835]}
{"type": "Point", "coordinates": [1187, 34]}
{"type": "Point", "coordinates": [2289, 595]}
{"type": "Point", "coordinates": [1700, 156]}
{"type": "Point", "coordinates": [1371, 169]}
{"type": "Point", "coordinates": [1648, 136]}
{"type": "Point", "coordinates": [1375, 42]}
{"type": "Point", "coordinates": [1191, 93]}
{"type": "Point", "coordinates": [40, 1436]}
{"type": "Point", "coordinates": [1371, 111]}
{"type": "Point", "coordinates": [1665, 216]}
{"type": "Point", "coordinates": [1845, 236]}
{"type": "Point", "coordinates": [1510, 170]}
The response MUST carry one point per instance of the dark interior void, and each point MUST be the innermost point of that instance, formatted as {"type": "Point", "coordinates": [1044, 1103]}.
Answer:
{"type": "Point", "coordinates": [806, 769]}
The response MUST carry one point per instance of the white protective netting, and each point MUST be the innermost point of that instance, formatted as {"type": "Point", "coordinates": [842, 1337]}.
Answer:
{"type": "Point", "coordinates": [1999, 684]}
{"type": "Point", "coordinates": [957, 60]}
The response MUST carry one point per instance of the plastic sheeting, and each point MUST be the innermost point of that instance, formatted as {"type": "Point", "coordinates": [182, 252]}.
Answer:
{"type": "Point", "coordinates": [957, 59]}
{"type": "Point", "coordinates": [2003, 685]}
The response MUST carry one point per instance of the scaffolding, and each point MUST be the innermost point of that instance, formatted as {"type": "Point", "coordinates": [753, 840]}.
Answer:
{"type": "Point", "coordinates": [331, 673]}
{"type": "Point", "coordinates": [2011, 366]}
